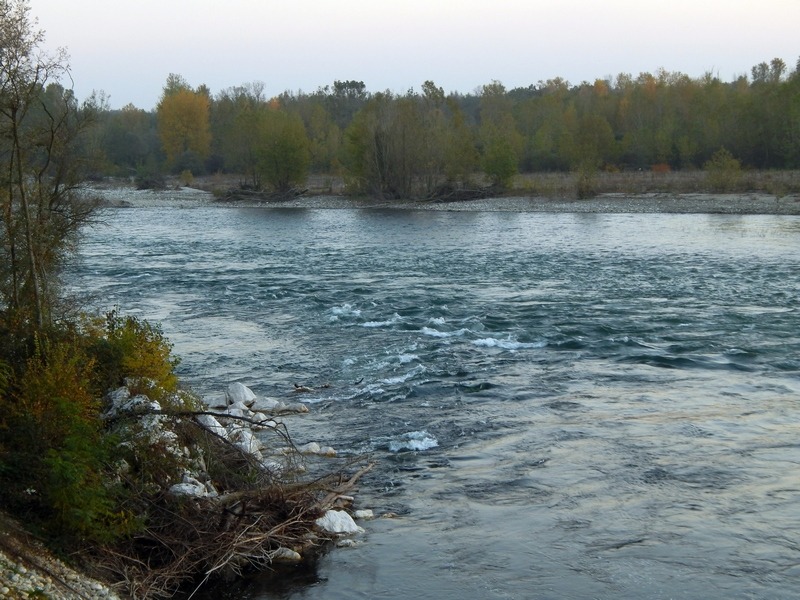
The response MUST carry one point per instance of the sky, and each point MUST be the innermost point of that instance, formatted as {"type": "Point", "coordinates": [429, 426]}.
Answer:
{"type": "Point", "coordinates": [127, 48]}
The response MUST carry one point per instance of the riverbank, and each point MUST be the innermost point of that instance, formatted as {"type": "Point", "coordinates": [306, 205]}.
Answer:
{"type": "Point", "coordinates": [743, 204]}
{"type": "Point", "coordinates": [612, 203]}
{"type": "Point", "coordinates": [29, 570]}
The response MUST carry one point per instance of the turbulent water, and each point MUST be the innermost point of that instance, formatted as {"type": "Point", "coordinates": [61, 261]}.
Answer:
{"type": "Point", "coordinates": [561, 405]}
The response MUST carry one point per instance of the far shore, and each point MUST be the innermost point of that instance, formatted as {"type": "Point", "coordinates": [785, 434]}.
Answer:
{"type": "Point", "coordinates": [739, 204]}
{"type": "Point", "coordinates": [670, 203]}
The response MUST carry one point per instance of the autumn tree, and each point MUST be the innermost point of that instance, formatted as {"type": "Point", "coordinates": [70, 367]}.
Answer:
{"type": "Point", "coordinates": [183, 124]}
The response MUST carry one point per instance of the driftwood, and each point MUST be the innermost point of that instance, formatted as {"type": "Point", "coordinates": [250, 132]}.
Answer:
{"type": "Point", "coordinates": [451, 193]}
{"type": "Point", "coordinates": [259, 516]}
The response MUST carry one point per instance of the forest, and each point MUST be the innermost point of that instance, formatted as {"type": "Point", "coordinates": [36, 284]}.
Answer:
{"type": "Point", "coordinates": [416, 144]}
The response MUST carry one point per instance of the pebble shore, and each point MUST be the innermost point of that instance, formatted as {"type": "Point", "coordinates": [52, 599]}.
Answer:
{"type": "Point", "coordinates": [37, 574]}
{"type": "Point", "coordinates": [741, 204]}
{"type": "Point", "coordinates": [737, 204]}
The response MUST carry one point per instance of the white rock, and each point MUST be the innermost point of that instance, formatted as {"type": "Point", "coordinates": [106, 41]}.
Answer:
{"type": "Point", "coordinates": [195, 490]}
{"type": "Point", "coordinates": [309, 448]}
{"type": "Point", "coordinates": [273, 466]}
{"type": "Point", "coordinates": [238, 392]}
{"type": "Point", "coordinates": [338, 521]}
{"type": "Point", "coordinates": [285, 555]}
{"type": "Point", "coordinates": [211, 490]}
{"type": "Point", "coordinates": [262, 420]}
{"type": "Point", "coordinates": [265, 404]}
{"type": "Point", "coordinates": [139, 404]}
{"type": "Point", "coordinates": [245, 440]}
{"type": "Point", "coordinates": [213, 425]}
{"type": "Point", "coordinates": [365, 514]}
{"type": "Point", "coordinates": [236, 412]}
{"type": "Point", "coordinates": [119, 396]}
{"type": "Point", "coordinates": [220, 401]}
{"type": "Point", "coordinates": [327, 451]}
{"type": "Point", "coordinates": [239, 405]}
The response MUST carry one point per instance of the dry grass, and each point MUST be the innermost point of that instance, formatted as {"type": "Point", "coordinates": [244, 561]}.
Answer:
{"type": "Point", "coordinates": [566, 185]}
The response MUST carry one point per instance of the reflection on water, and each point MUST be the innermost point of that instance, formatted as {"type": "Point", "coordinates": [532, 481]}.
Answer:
{"type": "Point", "coordinates": [562, 406]}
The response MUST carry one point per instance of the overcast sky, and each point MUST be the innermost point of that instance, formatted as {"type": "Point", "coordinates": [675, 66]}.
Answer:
{"type": "Point", "coordinates": [128, 47]}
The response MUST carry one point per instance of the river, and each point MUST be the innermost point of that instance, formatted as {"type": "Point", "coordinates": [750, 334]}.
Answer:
{"type": "Point", "coordinates": [560, 405]}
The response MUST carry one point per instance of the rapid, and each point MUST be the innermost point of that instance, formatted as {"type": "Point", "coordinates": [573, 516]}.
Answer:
{"type": "Point", "coordinates": [560, 405]}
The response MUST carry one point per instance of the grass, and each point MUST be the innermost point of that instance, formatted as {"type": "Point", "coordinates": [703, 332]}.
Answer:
{"type": "Point", "coordinates": [566, 185]}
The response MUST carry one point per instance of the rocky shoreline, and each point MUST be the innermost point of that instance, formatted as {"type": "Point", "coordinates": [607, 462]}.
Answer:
{"type": "Point", "coordinates": [29, 570]}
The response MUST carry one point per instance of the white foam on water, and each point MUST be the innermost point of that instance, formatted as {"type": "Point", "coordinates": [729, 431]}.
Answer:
{"type": "Point", "coordinates": [444, 334]}
{"type": "Point", "coordinates": [416, 441]}
{"type": "Point", "coordinates": [344, 311]}
{"type": "Point", "coordinates": [507, 344]}
{"type": "Point", "coordinates": [407, 358]}
{"type": "Point", "coordinates": [404, 377]}
{"type": "Point", "coordinates": [395, 319]}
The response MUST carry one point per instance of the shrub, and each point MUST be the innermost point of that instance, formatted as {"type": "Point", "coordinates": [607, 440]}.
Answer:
{"type": "Point", "coordinates": [723, 171]}
{"type": "Point", "coordinates": [586, 181]}
{"type": "Point", "coordinates": [135, 349]}
{"type": "Point", "coordinates": [499, 161]}
{"type": "Point", "coordinates": [58, 448]}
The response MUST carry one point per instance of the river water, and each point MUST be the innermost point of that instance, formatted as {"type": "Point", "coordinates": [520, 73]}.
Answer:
{"type": "Point", "coordinates": [560, 405]}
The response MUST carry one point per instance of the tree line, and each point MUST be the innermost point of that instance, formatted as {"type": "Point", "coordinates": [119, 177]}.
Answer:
{"type": "Point", "coordinates": [412, 144]}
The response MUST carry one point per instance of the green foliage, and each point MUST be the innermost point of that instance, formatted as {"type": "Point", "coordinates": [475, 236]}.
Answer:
{"type": "Point", "coordinates": [723, 171]}
{"type": "Point", "coordinates": [408, 146]}
{"type": "Point", "coordinates": [283, 150]}
{"type": "Point", "coordinates": [57, 451]}
{"type": "Point", "coordinates": [499, 160]}
{"type": "Point", "coordinates": [399, 145]}
{"type": "Point", "coordinates": [58, 459]}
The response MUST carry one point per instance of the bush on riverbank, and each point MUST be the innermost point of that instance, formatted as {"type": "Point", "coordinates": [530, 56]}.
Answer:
{"type": "Point", "coordinates": [106, 457]}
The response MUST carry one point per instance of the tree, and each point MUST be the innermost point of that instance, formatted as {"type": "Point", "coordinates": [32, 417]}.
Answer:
{"type": "Point", "coordinates": [183, 124]}
{"type": "Point", "coordinates": [387, 148]}
{"type": "Point", "coordinates": [283, 155]}
{"type": "Point", "coordinates": [501, 142]}
{"type": "Point", "coordinates": [41, 125]}
{"type": "Point", "coordinates": [130, 139]}
{"type": "Point", "coordinates": [225, 123]}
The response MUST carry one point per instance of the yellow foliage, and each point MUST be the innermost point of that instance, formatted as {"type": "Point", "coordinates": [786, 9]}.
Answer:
{"type": "Point", "coordinates": [57, 379]}
{"type": "Point", "coordinates": [183, 124]}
